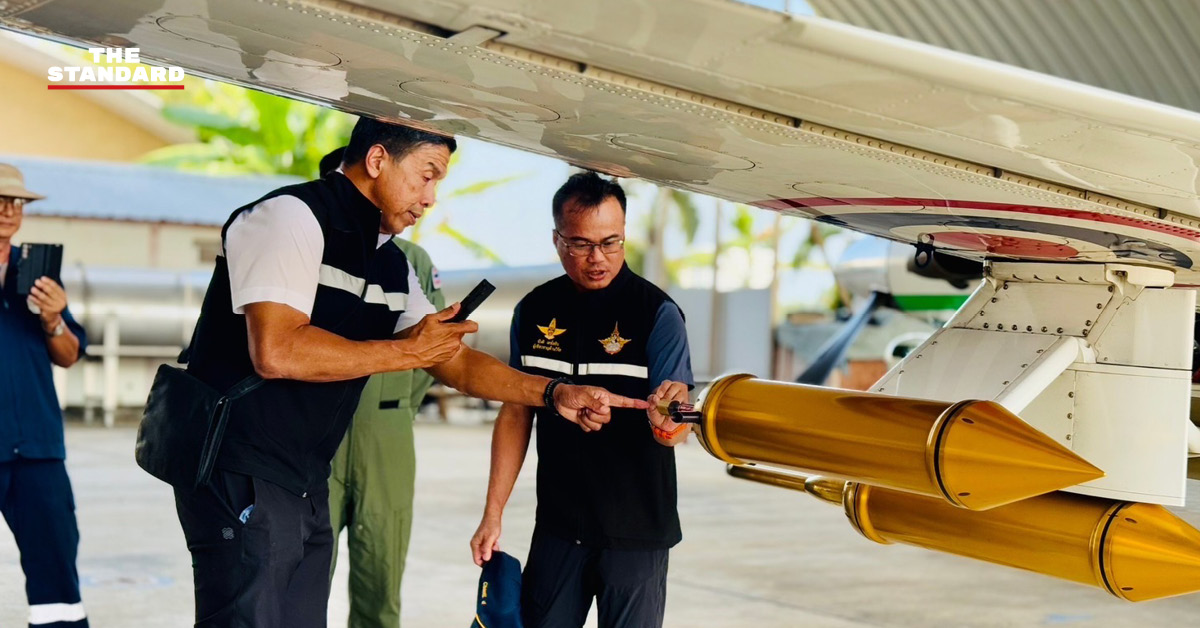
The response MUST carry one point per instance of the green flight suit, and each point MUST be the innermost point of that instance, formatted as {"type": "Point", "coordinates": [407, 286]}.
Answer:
{"type": "Point", "coordinates": [374, 472]}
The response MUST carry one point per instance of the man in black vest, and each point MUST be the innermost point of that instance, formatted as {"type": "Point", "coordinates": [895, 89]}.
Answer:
{"type": "Point", "coordinates": [606, 515]}
{"type": "Point", "coordinates": [312, 295]}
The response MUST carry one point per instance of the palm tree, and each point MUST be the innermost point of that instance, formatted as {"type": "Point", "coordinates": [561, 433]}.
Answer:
{"type": "Point", "coordinates": [670, 207]}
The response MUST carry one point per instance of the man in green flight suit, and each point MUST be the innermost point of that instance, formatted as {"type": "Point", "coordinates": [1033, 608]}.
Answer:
{"type": "Point", "coordinates": [374, 472]}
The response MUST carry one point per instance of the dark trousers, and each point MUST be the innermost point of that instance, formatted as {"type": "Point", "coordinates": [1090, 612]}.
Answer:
{"type": "Point", "coordinates": [36, 499]}
{"type": "Point", "coordinates": [270, 571]}
{"type": "Point", "coordinates": [561, 578]}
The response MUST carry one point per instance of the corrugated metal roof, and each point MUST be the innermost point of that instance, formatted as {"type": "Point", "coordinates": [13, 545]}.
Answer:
{"type": "Point", "coordinates": [1144, 48]}
{"type": "Point", "coordinates": [118, 191]}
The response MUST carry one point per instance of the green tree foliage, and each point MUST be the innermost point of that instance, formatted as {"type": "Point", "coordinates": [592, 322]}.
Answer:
{"type": "Point", "coordinates": [242, 131]}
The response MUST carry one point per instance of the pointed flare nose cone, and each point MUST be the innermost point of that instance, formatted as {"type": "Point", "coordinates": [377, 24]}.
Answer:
{"type": "Point", "coordinates": [985, 456]}
{"type": "Point", "coordinates": [1147, 553]}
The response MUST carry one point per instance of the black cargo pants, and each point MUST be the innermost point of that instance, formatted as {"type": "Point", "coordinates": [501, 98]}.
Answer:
{"type": "Point", "coordinates": [260, 567]}
{"type": "Point", "coordinates": [562, 577]}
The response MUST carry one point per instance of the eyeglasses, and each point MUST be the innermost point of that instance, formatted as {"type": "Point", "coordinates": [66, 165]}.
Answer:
{"type": "Point", "coordinates": [10, 205]}
{"type": "Point", "coordinates": [583, 248]}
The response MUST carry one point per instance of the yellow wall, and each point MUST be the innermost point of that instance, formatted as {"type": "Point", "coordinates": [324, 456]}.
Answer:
{"type": "Point", "coordinates": [64, 124]}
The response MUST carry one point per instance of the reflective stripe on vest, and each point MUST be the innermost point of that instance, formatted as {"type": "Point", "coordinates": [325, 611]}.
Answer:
{"type": "Point", "coordinates": [342, 280]}
{"type": "Point", "coordinates": [558, 366]}
{"type": "Point", "coordinates": [627, 370]}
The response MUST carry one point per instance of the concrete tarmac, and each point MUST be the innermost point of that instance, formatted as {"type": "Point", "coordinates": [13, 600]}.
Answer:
{"type": "Point", "coordinates": [752, 555]}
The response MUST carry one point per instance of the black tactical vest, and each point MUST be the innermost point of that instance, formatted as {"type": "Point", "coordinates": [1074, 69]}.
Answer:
{"type": "Point", "coordinates": [287, 431]}
{"type": "Point", "coordinates": [613, 488]}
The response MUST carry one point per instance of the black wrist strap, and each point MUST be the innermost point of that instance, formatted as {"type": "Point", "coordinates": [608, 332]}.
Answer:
{"type": "Point", "coordinates": [548, 394]}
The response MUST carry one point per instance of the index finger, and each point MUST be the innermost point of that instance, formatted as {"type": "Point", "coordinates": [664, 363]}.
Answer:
{"type": "Point", "coordinates": [617, 401]}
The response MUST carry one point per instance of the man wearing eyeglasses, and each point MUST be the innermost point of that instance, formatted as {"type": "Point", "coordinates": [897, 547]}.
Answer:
{"type": "Point", "coordinates": [606, 494]}
{"type": "Point", "coordinates": [36, 330]}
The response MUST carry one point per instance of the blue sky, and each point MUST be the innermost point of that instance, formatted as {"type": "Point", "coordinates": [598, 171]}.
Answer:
{"type": "Point", "coordinates": [795, 7]}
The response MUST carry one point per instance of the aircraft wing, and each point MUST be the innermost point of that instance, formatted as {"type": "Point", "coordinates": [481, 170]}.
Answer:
{"type": "Point", "coordinates": [800, 115]}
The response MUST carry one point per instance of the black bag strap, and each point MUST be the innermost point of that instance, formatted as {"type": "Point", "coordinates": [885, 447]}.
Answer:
{"type": "Point", "coordinates": [216, 431]}
{"type": "Point", "coordinates": [244, 387]}
{"type": "Point", "coordinates": [220, 418]}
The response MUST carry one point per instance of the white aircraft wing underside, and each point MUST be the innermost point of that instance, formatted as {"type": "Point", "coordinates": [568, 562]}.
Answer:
{"type": "Point", "coordinates": [804, 116]}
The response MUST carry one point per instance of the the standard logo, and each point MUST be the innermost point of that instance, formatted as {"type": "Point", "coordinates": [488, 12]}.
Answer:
{"type": "Point", "coordinates": [614, 343]}
{"type": "Point", "coordinates": [111, 73]}
{"type": "Point", "coordinates": [548, 340]}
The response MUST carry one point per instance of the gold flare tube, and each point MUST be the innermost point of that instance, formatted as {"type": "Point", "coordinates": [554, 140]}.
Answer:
{"type": "Point", "coordinates": [1132, 550]}
{"type": "Point", "coordinates": [973, 454]}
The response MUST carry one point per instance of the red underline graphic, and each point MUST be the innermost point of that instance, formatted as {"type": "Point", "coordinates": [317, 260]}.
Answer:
{"type": "Point", "coordinates": [114, 87]}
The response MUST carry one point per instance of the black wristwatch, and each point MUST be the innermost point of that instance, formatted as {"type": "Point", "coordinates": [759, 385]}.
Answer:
{"type": "Point", "coordinates": [548, 394]}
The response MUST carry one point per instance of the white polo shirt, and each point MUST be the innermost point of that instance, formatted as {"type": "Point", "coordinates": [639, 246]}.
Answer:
{"type": "Point", "coordinates": [274, 253]}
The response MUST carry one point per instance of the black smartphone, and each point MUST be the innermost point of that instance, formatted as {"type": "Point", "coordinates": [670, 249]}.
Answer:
{"type": "Point", "coordinates": [38, 260]}
{"type": "Point", "coordinates": [473, 300]}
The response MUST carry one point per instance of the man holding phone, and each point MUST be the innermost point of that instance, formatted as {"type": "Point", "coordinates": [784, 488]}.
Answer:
{"type": "Point", "coordinates": [373, 481]}
{"type": "Point", "coordinates": [313, 296]}
{"type": "Point", "coordinates": [36, 330]}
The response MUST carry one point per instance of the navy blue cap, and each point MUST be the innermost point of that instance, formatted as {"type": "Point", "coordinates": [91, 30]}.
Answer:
{"type": "Point", "coordinates": [498, 600]}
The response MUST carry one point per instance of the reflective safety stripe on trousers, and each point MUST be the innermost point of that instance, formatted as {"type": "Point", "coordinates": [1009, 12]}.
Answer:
{"type": "Point", "coordinates": [52, 613]}
{"type": "Point", "coordinates": [566, 368]}
{"type": "Point", "coordinates": [342, 280]}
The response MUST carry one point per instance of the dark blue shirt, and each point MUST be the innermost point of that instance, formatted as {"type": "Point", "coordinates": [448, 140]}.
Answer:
{"type": "Point", "coordinates": [667, 348]}
{"type": "Point", "coordinates": [31, 423]}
